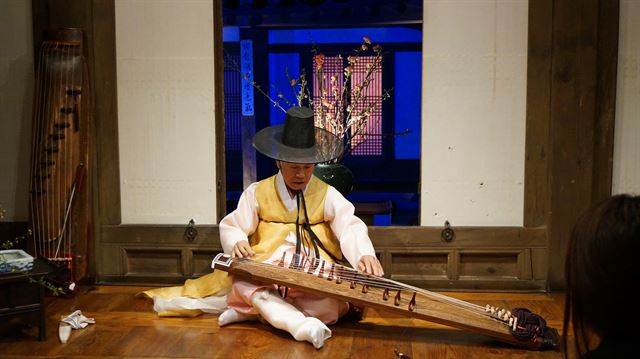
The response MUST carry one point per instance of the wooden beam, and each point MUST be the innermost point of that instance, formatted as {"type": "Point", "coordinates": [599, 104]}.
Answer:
{"type": "Point", "coordinates": [536, 168]}
{"type": "Point", "coordinates": [582, 103]}
{"type": "Point", "coordinates": [221, 185]}
{"type": "Point", "coordinates": [490, 258]}
{"type": "Point", "coordinates": [105, 115]}
{"type": "Point", "coordinates": [607, 76]}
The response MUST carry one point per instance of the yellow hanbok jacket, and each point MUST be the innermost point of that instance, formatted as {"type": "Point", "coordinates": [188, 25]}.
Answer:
{"type": "Point", "coordinates": [266, 215]}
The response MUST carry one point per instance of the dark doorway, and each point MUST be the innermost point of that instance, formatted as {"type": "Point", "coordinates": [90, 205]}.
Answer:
{"type": "Point", "coordinates": [282, 35]}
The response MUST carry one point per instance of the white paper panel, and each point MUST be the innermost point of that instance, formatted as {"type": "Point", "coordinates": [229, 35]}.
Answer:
{"type": "Point", "coordinates": [473, 112]}
{"type": "Point", "coordinates": [626, 152]}
{"type": "Point", "coordinates": [165, 110]}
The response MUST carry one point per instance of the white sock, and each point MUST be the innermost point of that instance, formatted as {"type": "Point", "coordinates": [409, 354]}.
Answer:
{"type": "Point", "coordinates": [312, 330]}
{"type": "Point", "coordinates": [232, 316]}
{"type": "Point", "coordinates": [282, 315]}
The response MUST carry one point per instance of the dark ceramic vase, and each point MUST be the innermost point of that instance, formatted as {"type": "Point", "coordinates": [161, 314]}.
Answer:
{"type": "Point", "coordinates": [337, 175]}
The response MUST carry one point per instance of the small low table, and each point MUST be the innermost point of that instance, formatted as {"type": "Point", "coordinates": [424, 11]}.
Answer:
{"type": "Point", "coordinates": [19, 297]}
{"type": "Point", "coordinates": [373, 213]}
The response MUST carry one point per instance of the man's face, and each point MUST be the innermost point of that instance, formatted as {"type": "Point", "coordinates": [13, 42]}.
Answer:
{"type": "Point", "coordinates": [296, 175]}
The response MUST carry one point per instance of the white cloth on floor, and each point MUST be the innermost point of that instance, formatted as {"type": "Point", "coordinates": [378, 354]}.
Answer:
{"type": "Point", "coordinates": [77, 321]}
{"type": "Point", "coordinates": [212, 304]}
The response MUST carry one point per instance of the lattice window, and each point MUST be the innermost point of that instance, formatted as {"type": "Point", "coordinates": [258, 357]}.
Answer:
{"type": "Point", "coordinates": [369, 141]}
{"type": "Point", "coordinates": [232, 104]}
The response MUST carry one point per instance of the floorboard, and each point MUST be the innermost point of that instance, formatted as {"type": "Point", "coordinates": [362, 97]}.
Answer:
{"type": "Point", "coordinates": [127, 327]}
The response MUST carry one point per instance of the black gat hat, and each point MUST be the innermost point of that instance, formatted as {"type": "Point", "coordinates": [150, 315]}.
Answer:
{"type": "Point", "coordinates": [298, 140]}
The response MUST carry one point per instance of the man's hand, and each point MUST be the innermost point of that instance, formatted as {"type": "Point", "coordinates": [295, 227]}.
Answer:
{"type": "Point", "coordinates": [242, 249]}
{"type": "Point", "coordinates": [370, 265]}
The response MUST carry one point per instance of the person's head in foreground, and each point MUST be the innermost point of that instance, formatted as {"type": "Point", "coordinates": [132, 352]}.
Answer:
{"type": "Point", "coordinates": [600, 278]}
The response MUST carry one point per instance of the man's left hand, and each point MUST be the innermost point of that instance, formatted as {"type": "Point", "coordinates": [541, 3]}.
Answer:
{"type": "Point", "coordinates": [370, 265]}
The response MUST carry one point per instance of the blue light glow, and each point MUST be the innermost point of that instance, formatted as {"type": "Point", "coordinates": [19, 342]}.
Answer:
{"type": "Point", "coordinates": [230, 34]}
{"type": "Point", "coordinates": [279, 65]}
{"type": "Point", "coordinates": [345, 36]}
{"type": "Point", "coordinates": [406, 93]}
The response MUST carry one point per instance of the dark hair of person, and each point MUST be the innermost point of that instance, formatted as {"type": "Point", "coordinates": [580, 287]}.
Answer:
{"type": "Point", "coordinates": [601, 270]}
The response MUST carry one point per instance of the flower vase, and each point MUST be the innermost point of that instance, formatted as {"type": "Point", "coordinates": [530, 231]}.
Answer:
{"type": "Point", "coordinates": [336, 175]}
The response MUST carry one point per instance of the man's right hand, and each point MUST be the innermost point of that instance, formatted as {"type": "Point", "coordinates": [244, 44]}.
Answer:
{"type": "Point", "coordinates": [242, 249]}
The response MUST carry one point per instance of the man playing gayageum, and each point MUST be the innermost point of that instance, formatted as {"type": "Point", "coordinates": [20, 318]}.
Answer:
{"type": "Point", "coordinates": [291, 213]}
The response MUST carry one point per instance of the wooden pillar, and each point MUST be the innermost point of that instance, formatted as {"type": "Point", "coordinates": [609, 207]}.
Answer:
{"type": "Point", "coordinates": [581, 120]}
{"type": "Point", "coordinates": [607, 75]}
{"type": "Point", "coordinates": [536, 187]}
{"type": "Point", "coordinates": [221, 184]}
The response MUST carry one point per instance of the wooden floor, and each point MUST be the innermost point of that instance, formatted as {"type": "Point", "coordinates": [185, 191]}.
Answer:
{"type": "Point", "coordinates": [127, 327]}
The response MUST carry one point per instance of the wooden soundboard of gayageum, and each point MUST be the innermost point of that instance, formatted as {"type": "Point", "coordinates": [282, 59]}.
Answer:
{"type": "Point", "coordinates": [426, 308]}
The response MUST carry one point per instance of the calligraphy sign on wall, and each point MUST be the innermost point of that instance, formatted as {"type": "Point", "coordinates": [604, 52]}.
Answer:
{"type": "Point", "coordinates": [246, 66]}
